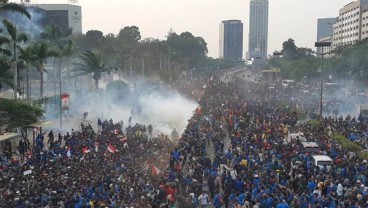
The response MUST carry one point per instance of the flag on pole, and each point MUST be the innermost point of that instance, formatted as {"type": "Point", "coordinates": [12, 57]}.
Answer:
{"type": "Point", "coordinates": [151, 169]}
{"type": "Point", "coordinates": [68, 152]}
{"type": "Point", "coordinates": [96, 147]}
{"type": "Point", "coordinates": [288, 139]}
{"type": "Point", "coordinates": [155, 170]}
{"type": "Point", "coordinates": [111, 148]}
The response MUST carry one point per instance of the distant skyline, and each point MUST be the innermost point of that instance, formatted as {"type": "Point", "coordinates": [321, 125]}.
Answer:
{"type": "Point", "coordinates": [295, 19]}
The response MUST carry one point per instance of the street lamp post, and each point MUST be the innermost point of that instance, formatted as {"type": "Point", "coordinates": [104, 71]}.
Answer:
{"type": "Point", "coordinates": [277, 55]}
{"type": "Point", "coordinates": [322, 45]}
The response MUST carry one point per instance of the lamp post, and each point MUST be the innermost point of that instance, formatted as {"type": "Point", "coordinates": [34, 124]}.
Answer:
{"type": "Point", "coordinates": [277, 55]}
{"type": "Point", "coordinates": [322, 45]}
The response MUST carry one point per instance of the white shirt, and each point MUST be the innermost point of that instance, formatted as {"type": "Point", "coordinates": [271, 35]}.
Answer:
{"type": "Point", "coordinates": [340, 190]}
{"type": "Point", "coordinates": [203, 198]}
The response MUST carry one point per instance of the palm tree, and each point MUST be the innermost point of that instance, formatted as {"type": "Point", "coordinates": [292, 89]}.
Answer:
{"type": "Point", "coordinates": [5, 73]}
{"type": "Point", "coordinates": [42, 51]}
{"type": "Point", "coordinates": [4, 40]}
{"type": "Point", "coordinates": [13, 7]}
{"type": "Point", "coordinates": [14, 39]}
{"type": "Point", "coordinates": [91, 64]}
{"type": "Point", "coordinates": [65, 49]}
{"type": "Point", "coordinates": [27, 56]}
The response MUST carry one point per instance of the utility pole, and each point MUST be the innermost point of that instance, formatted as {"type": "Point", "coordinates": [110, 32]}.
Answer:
{"type": "Point", "coordinates": [131, 64]}
{"type": "Point", "coordinates": [60, 101]}
{"type": "Point", "coordinates": [322, 45]}
{"type": "Point", "coordinates": [170, 63]}
{"type": "Point", "coordinates": [15, 68]}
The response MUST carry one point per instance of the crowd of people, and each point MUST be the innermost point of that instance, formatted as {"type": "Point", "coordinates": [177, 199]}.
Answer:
{"type": "Point", "coordinates": [254, 162]}
{"type": "Point", "coordinates": [235, 152]}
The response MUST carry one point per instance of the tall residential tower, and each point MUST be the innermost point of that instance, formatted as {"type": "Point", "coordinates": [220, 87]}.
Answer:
{"type": "Point", "coordinates": [258, 29]}
{"type": "Point", "coordinates": [231, 40]}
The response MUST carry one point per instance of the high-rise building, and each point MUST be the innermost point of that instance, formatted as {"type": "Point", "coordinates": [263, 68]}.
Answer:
{"type": "Point", "coordinates": [258, 29]}
{"type": "Point", "coordinates": [351, 25]}
{"type": "Point", "coordinates": [325, 27]}
{"type": "Point", "coordinates": [65, 16]}
{"type": "Point", "coordinates": [231, 40]}
{"type": "Point", "coordinates": [324, 31]}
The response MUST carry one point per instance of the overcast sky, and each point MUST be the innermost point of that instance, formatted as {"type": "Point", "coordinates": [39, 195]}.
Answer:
{"type": "Point", "coordinates": [295, 19]}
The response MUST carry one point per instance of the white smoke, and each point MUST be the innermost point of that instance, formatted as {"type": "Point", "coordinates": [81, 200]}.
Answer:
{"type": "Point", "coordinates": [162, 108]}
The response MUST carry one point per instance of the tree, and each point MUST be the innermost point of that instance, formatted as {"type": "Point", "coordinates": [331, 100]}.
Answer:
{"type": "Point", "coordinates": [4, 40]}
{"type": "Point", "coordinates": [20, 113]}
{"type": "Point", "coordinates": [5, 73]}
{"type": "Point", "coordinates": [91, 63]}
{"type": "Point", "coordinates": [14, 38]}
{"type": "Point", "coordinates": [42, 51]}
{"type": "Point", "coordinates": [186, 50]}
{"type": "Point", "coordinates": [129, 35]}
{"type": "Point", "coordinates": [51, 32]}
{"type": "Point", "coordinates": [95, 36]}
{"type": "Point", "coordinates": [13, 7]}
{"type": "Point", "coordinates": [27, 56]}
{"type": "Point", "coordinates": [290, 50]}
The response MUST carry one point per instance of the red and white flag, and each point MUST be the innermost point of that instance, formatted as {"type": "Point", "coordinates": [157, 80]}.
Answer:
{"type": "Point", "coordinates": [96, 147]}
{"type": "Point", "coordinates": [111, 148]}
{"type": "Point", "coordinates": [85, 150]}
{"type": "Point", "coordinates": [151, 169]}
{"type": "Point", "coordinates": [155, 170]}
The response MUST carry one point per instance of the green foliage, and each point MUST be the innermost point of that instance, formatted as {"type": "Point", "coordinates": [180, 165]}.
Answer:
{"type": "Point", "coordinates": [352, 62]}
{"type": "Point", "coordinates": [13, 7]}
{"type": "Point", "coordinates": [290, 50]}
{"type": "Point", "coordinates": [5, 73]}
{"type": "Point", "coordinates": [347, 144]}
{"type": "Point", "coordinates": [129, 35]}
{"type": "Point", "coordinates": [20, 113]}
{"type": "Point", "coordinates": [351, 146]}
{"type": "Point", "coordinates": [299, 68]}
{"type": "Point", "coordinates": [313, 122]}
{"type": "Point", "coordinates": [91, 63]}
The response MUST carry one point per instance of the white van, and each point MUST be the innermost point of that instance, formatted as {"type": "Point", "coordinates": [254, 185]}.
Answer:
{"type": "Point", "coordinates": [322, 161]}
{"type": "Point", "coordinates": [298, 137]}
{"type": "Point", "coordinates": [288, 83]}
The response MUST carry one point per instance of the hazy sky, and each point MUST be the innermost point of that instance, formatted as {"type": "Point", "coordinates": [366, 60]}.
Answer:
{"type": "Point", "coordinates": [295, 19]}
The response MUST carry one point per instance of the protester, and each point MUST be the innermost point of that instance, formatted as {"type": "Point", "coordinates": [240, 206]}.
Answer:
{"type": "Point", "coordinates": [235, 152]}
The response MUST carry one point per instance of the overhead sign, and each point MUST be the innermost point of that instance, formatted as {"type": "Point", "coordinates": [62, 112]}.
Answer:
{"type": "Point", "coordinates": [65, 101]}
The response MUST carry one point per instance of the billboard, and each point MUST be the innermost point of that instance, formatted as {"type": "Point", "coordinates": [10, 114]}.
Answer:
{"type": "Point", "coordinates": [65, 101]}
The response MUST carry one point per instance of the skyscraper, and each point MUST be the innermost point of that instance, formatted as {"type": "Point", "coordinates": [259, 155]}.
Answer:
{"type": "Point", "coordinates": [325, 27]}
{"type": "Point", "coordinates": [324, 31]}
{"type": "Point", "coordinates": [231, 40]}
{"type": "Point", "coordinates": [258, 29]}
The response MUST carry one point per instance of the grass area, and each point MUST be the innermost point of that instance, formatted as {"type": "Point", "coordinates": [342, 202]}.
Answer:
{"type": "Point", "coordinates": [351, 146]}
{"type": "Point", "coordinates": [313, 122]}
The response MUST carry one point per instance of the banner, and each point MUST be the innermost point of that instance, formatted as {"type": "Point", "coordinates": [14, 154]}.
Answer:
{"type": "Point", "coordinates": [65, 101]}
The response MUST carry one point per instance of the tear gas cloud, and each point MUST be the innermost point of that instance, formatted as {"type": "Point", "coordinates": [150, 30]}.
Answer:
{"type": "Point", "coordinates": [342, 95]}
{"type": "Point", "coordinates": [164, 109]}
{"type": "Point", "coordinates": [32, 27]}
